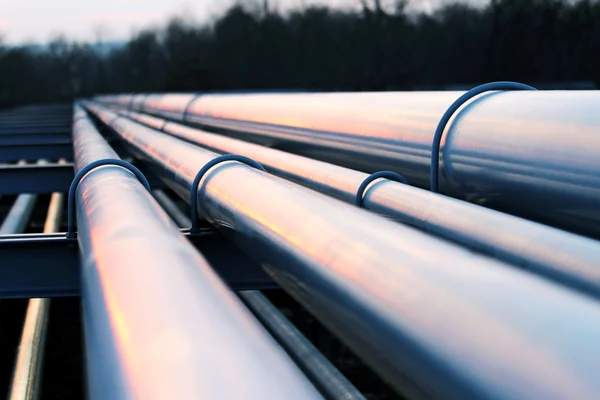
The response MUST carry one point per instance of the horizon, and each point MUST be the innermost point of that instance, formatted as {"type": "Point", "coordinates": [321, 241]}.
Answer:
{"type": "Point", "coordinates": [116, 21]}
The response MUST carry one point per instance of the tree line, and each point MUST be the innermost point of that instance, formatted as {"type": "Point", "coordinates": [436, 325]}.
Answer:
{"type": "Point", "coordinates": [319, 48]}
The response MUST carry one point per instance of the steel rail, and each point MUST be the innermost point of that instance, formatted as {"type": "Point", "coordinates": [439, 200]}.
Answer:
{"type": "Point", "coordinates": [432, 318]}
{"type": "Point", "coordinates": [18, 217]}
{"type": "Point", "coordinates": [326, 377]}
{"type": "Point", "coordinates": [158, 322]}
{"type": "Point", "coordinates": [27, 373]}
{"type": "Point", "coordinates": [564, 257]}
{"type": "Point", "coordinates": [532, 154]}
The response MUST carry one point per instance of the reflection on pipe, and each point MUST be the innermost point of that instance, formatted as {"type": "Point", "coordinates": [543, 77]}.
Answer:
{"type": "Point", "coordinates": [159, 323]}
{"type": "Point", "coordinates": [332, 384]}
{"type": "Point", "coordinates": [27, 373]}
{"type": "Point", "coordinates": [18, 217]}
{"type": "Point", "coordinates": [559, 255]}
{"type": "Point", "coordinates": [319, 369]}
{"type": "Point", "coordinates": [433, 319]}
{"type": "Point", "coordinates": [533, 154]}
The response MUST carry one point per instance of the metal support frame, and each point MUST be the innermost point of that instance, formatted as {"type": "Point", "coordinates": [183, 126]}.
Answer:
{"type": "Point", "coordinates": [49, 178]}
{"type": "Point", "coordinates": [30, 152]}
{"type": "Point", "coordinates": [35, 178]}
{"type": "Point", "coordinates": [34, 138]}
{"type": "Point", "coordinates": [25, 272]}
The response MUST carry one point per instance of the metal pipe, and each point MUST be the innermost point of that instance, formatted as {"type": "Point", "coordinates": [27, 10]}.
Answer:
{"type": "Point", "coordinates": [327, 378]}
{"type": "Point", "coordinates": [18, 217]}
{"type": "Point", "coordinates": [158, 322]}
{"type": "Point", "coordinates": [559, 255]}
{"type": "Point", "coordinates": [170, 208]}
{"type": "Point", "coordinates": [319, 369]}
{"type": "Point", "coordinates": [533, 154]}
{"type": "Point", "coordinates": [431, 318]}
{"type": "Point", "coordinates": [27, 373]}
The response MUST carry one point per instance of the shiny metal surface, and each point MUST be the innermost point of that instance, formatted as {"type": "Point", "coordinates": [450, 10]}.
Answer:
{"type": "Point", "coordinates": [27, 373]}
{"type": "Point", "coordinates": [159, 323]}
{"type": "Point", "coordinates": [433, 319]}
{"type": "Point", "coordinates": [326, 377]}
{"type": "Point", "coordinates": [562, 256]}
{"type": "Point", "coordinates": [320, 370]}
{"type": "Point", "coordinates": [18, 217]}
{"type": "Point", "coordinates": [533, 154]}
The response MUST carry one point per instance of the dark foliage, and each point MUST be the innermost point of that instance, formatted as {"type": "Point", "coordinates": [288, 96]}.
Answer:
{"type": "Point", "coordinates": [323, 49]}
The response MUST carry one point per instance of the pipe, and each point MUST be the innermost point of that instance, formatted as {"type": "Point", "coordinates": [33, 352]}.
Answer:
{"type": "Point", "coordinates": [158, 322]}
{"type": "Point", "coordinates": [332, 384]}
{"type": "Point", "coordinates": [18, 217]}
{"type": "Point", "coordinates": [433, 319]}
{"type": "Point", "coordinates": [27, 373]}
{"type": "Point", "coordinates": [325, 376]}
{"type": "Point", "coordinates": [558, 255]}
{"type": "Point", "coordinates": [171, 209]}
{"type": "Point", "coordinates": [532, 154]}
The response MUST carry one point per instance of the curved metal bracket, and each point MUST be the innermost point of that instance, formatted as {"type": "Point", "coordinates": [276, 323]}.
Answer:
{"type": "Point", "coordinates": [187, 107]}
{"type": "Point", "coordinates": [359, 201]}
{"type": "Point", "coordinates": [437, 137]}
{"type": "Point", "coordinates": [196, 183]}
{"type": "Point", "coordinates": [72, 189]}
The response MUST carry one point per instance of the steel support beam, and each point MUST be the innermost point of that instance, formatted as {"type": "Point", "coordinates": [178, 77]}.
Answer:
{"type": "Point", "coordinates": [52, 152]}
{"type": "Point", "coordinates": [35, 178]}
{"type": "Point", "coordinates": [25, 272]}
{"type": "Point", "coordinates": [34, 139]}
{"type": "Point", "coordinates": [433, 319]}
{"type": "Point", "coordinates": [158, 321]}
{"type": "Point", "coordinates": [48, 178]}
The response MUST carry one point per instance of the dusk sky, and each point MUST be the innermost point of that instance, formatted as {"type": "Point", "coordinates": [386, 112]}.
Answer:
{"type": "Point", "coordinates": [40, 20]}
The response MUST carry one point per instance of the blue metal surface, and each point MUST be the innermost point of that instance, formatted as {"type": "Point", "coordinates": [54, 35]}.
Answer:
{"type": "Point", "coordinates": [15, 139]}
{"type": "Point", "coordinates": [196, 331]}
{"type": "Point", "coordinates": [18, 217]}
{"type": "Point", "coordinates": [49, 178]}
{"type": "Point", "coordinates": [38, 265]}
{"type": "Point", "coordinates": [435, 320]}
{"type": "Point", "coordinates": [25, 271]}
{"type": "Point", "coordinates": [532, 154]}
{"type": "Point", "coordinates": [51, 152]}
{"type": "Point", "coordinates": [564, 257]}
{"type": "Point", "coordinates": [35, 178]}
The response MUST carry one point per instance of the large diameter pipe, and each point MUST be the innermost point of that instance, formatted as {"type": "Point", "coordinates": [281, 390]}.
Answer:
{"type": "Point", "coordinates": [432, 318]}
{"type": "Point", "coordinates": [533, 154]}
{"type": "Point", "coordinates": [159, 323]}
{"type": "Point", "coordinates": [559, 255]}
{"type": "Point", "coordinates": [319, 369]}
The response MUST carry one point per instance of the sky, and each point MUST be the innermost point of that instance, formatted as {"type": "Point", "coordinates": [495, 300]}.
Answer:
{"type": "Point", "coordinates": [38, 21]}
